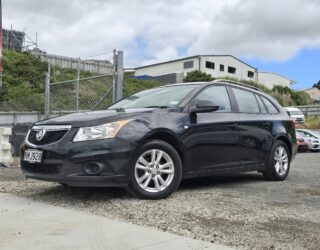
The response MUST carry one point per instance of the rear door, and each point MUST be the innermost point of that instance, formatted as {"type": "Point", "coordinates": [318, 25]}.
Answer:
{"type": "Point", "coordinates": [212, 139]}
{"type": "Point", "coordinates": [255, 126]}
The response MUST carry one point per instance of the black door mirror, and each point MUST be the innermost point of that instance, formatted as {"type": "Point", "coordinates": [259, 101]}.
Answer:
{"type": "Point", "coordinates": [204, 106]}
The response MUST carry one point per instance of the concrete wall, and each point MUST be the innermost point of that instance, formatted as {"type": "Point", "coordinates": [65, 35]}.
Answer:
{"type": "Point", "coordinates": [13, 118]}
{"type": "Point", "coordinates": [272, 79]}
{"type": "Point", "coordinates": [95, 66]}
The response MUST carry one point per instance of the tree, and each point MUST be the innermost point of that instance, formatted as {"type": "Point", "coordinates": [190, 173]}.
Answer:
{"type": "Point", "coordinates": [198, 76]}
{"type": "Point", "coordinates": [316, 85]}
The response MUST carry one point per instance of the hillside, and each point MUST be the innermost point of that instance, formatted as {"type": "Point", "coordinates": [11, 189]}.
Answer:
{"type": "Point", "coordinates": [24, 82]}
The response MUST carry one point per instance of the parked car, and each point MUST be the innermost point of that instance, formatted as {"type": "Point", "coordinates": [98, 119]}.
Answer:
{"type": "Point", "coordinates": [302, 145]}
{"type": "Point", "coordinates": [309, 132]}
{"type": "Point", "coordinates": [150, 141]}
{"type": "Point", "coordinates": [296, 114]}
{"type": "Point", "coordinates": [311, 138]}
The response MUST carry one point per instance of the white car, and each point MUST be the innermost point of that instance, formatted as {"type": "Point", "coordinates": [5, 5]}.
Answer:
{"type": "Point", "coordinates": [295, 113]}
{"type": "Point", "coordinates": [311, 138]}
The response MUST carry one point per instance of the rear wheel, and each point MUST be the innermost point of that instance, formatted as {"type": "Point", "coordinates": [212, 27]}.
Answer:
{"type": "Point", "coordinates": [156, 171]}
{"type": "Point", "coordinates": [278, 164]}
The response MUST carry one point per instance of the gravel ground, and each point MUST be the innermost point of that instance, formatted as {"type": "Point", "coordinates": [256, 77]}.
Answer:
{"type": "Point", "coordinates": [241, 211]}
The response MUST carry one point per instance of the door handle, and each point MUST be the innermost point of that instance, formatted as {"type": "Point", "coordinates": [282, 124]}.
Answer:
{"type": "Point", "coordinates": [233, 126]}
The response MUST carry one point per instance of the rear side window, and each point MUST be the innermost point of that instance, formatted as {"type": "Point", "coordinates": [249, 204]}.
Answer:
{"type": "Point", "coordinates": [218, 95]}
{"type": "Point", "coordinates": [262, 106]}
{"type": "Point", "coordinates": [270, 106]}
{"type": "Point", "coordinates": [246, 100]}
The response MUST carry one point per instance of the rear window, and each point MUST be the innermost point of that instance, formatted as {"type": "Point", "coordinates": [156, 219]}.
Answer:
{"type": "Point", "coordinates": [270, 106]}
{"type": "Point", "coordinates": [262, 106]}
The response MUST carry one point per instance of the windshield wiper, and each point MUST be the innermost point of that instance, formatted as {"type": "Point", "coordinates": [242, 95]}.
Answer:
{"type": "Point", "coordinates": [159, 107]}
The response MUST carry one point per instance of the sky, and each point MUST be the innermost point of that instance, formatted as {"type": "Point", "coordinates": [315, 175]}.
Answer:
{"type": "Point", "coordinates": [271, 35]}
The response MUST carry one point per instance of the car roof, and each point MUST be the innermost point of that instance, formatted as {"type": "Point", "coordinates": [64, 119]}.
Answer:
{"type": "Point", "coordinates": [218, 81]}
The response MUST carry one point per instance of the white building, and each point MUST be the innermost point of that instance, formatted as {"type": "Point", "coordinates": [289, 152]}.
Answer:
{"type": "Point", "coordinates": [270, 79]}
{"type": "Point", "coordinates": [215, 65]}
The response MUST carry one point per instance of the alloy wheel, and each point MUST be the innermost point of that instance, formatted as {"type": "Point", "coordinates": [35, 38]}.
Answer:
{"type": "Point", "coordinates": [154, 170]}
{"type": "Point", "coordinates": [281, 160]}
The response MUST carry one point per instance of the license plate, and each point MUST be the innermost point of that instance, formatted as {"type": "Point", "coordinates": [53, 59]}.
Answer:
{"type": "Point", "coordinates": [33, 156]}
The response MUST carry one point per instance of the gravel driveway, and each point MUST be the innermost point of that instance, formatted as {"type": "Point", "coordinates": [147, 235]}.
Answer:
{"type": "Point", "coordinates": [242, 211]}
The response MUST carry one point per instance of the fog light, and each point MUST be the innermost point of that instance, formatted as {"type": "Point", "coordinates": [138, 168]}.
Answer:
{"type": "Point", "coordinates": [93, 168]}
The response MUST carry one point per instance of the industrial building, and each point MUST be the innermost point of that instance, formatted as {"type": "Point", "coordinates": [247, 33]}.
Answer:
{"type": "Point", "coordinates": [216, 65]}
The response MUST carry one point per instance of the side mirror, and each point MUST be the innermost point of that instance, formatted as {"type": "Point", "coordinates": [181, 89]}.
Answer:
{"type": "Point", "coordinates": [204, 106]}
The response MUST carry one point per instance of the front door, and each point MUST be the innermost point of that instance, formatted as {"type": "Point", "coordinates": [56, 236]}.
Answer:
{"type": "Point", "coordinates": [212, 139]}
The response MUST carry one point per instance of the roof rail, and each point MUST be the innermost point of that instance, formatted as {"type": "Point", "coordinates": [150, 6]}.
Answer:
{"type": "Point", "coordinates": [237, 83]}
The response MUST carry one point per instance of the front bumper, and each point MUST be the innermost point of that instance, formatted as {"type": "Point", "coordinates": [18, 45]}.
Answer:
{"type": "Point", "coordinates": [64, 162]}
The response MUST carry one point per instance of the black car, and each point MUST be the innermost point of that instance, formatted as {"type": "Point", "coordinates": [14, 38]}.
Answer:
{"type": "Point", "coordinates": [152, 140]}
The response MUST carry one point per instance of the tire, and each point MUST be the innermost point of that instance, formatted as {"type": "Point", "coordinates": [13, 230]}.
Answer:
{"type": "Point", "coordinates": [156, 171]}
{"type": "Point", "coordinates": [278, 172]}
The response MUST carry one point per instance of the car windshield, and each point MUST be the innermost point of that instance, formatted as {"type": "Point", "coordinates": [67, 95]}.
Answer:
{"type": "Point", "coordinates": [296, 113]}
{"type": "Point", "coordinates": [163, 97]}
{"type": "Point", "coordinates": [317, 133]}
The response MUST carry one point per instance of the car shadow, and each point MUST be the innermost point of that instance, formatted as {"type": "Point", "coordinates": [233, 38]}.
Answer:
{"type": "Point", "coordinates": [230, 180]}
{"type": "Point", "coordinates": [87, 194]}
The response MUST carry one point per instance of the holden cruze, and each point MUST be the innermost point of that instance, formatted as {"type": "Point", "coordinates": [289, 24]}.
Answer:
{"type": "Point", "coordinates": [152, 140]}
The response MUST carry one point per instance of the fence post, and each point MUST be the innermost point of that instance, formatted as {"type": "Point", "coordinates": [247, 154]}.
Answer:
{"type": "Point", "coordinates": [114, 77]}
{"type": "Point", "coordinates": [47, 93]}
{"type": "Point", "coordinates": [78, 83]}
{"type": "Point", "coordinates": [119, 83]}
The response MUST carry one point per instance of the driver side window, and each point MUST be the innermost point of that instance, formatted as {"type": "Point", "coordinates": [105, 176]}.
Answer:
{"type": "Point", "coordinates": [218, 95]}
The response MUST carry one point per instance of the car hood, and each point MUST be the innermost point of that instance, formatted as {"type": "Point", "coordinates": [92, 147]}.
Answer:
{"type": "Point", "coordinates": [94, 118]}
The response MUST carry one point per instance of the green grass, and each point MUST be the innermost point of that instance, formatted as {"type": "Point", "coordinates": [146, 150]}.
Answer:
{"type": "Point", "coordinates": [310, 123]}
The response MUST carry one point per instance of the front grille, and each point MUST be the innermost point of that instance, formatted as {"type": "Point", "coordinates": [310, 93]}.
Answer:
{"type": "Point", "coordinates": [41, 168]}
{"type": "Point", "coordinates": [49, 137]}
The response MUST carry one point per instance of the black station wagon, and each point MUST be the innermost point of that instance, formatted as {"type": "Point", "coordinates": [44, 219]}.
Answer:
{"type": "Point", "coordinates": [153, 139]}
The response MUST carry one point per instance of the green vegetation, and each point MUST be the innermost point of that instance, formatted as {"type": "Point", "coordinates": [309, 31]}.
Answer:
{"type": "Point", "coordinates": [310, 123]}
{"type": "Point", "coordinates": [24, 84]}
{"type": "Point", "coordinates": [284, 95]}
{"type": "Point", "coordinates": [198, 76]}
{"type": "Point", "coordinates": [132, 85]}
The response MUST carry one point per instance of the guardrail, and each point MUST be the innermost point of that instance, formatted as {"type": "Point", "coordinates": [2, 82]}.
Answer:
{"type": "Point", "coordinates": [310, 110]}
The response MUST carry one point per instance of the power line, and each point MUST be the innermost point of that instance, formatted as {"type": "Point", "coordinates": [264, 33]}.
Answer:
{"type": "Point", "coordinates": [96, 55]}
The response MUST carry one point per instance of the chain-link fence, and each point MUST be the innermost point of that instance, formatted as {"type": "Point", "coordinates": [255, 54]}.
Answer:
{"type": "Point", "coordinates": [83, 94]}
{"type": "Point", "coordinates": [86, 93]}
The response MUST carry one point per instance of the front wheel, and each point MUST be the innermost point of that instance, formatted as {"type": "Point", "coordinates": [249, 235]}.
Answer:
{"type": "Point", "coordinates": [156, 171]}
{"type": "Point", "coordinates": [278, 164]}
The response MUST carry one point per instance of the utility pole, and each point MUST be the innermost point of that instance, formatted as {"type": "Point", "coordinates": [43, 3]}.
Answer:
{"type": "Point", "coordinates": [47, 92]}
{"type": "Point", "coordinates": [114, 77]}
{"type": "Point", "coordinates": [1, 45]}
{"type": "Point", "coordinates": [78, 85]}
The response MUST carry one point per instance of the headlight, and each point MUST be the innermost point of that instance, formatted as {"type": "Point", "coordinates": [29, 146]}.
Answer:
{"type": "Point", "coordinates": [104, 131]}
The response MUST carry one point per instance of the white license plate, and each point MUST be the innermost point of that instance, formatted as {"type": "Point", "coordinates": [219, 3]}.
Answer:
{"type": "Point", "coordinates": [33, 156]}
